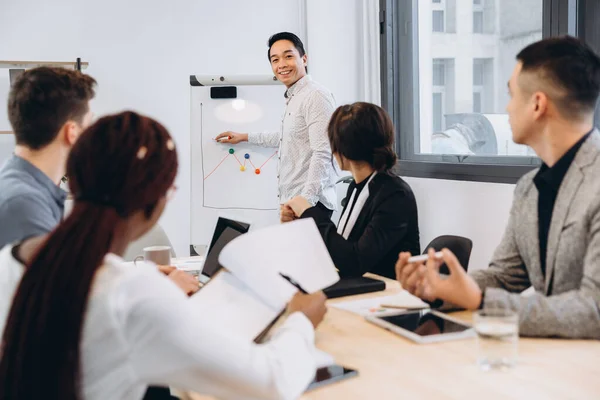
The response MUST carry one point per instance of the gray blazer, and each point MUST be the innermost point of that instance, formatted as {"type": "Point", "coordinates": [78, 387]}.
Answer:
{"type": "Point", "coordinates": [566, 300]}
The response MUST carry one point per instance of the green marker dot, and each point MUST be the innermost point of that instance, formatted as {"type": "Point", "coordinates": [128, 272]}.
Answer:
{"type": "Point", "coordinates": [231, 151]}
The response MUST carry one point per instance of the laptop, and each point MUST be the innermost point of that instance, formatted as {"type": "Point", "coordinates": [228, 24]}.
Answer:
{"type": "Point", "coordinates": [225, 231]}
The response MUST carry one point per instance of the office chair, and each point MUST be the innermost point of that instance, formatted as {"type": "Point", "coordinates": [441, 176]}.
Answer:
{"type": "Point", "coordinates": [460, 246]}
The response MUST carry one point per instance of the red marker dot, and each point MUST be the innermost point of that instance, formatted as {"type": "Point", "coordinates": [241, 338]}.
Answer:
{"type": "Point", "coordinates": [257, 171]}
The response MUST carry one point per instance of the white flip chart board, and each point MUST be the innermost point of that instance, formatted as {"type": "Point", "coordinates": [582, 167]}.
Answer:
{"type": "Point", "coordinates": [236, 181]}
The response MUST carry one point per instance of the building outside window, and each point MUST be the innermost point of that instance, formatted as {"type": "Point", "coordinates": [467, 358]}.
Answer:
{"type": "Point", "coordinates": [445, 67]}
{"type": "Point", "coordinates": [475, 97]}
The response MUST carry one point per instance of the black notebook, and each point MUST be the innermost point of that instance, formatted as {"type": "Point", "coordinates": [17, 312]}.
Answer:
{"type": "Point", "coordinates": [351, 286]}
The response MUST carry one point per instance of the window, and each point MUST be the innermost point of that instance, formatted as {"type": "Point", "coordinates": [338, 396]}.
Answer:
{"type": "Point", "coordinates": [439, 73]}
{"type": "Point", "coordinates": [477, 21]}
{"type": "Point", "coordinates": [478, 72]}
{"type": "Point", "coordinates": [438, 15]}
{"type": "Point", "coordinates": [438, 21]}
{"type": "Point", "coordinates": [446, 91]}
{"type": "Point", "coordinates": [464, 116]}
{"type": "Point", "coordinates": [438, 110]}
{"type": "Point", "coordinates": [477, 104]}
{"type": "Point", "coordinates": [439, 81]}
{"type": "Point", "coordinates": [443, 16]}
{"type": "Point", "coordinates": [442, 91]}
{"type": "Point", "coordinates": [483, 85]}
{"type": "Point", "coordinates": [478, 16]}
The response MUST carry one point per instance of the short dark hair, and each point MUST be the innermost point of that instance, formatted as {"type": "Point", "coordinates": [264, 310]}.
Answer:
{"type": "Point", "coordinates": [571, 66]}
{"type": "Point", "coordinates": [363, 132]}
{"type": "Point", "coordinates": [286, 36]}
{"type": "Point", "coordinates": [43, 99]}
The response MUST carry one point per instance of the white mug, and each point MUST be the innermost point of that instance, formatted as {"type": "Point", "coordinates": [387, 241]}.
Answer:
{"type": "Point", "coordinates": [160, 255]}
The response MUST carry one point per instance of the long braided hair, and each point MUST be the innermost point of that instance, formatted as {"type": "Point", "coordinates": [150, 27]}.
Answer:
{"type": "Point", "coordinates": [122, 164]}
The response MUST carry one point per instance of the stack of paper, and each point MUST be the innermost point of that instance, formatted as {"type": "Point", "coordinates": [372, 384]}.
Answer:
{"type": "Point", "coordinates": [295, 249]}
{"type": "Point", "coordinates": [377, 305]}
{"type": "Point", "coordinates": [251, 293]}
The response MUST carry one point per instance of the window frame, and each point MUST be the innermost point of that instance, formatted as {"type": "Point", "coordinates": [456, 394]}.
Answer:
{"type": "Point", "coordinates": [559, 17]}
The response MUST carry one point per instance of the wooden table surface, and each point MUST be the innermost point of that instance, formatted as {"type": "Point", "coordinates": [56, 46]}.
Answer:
{"type": "Point", "coordinates": [391, 367]}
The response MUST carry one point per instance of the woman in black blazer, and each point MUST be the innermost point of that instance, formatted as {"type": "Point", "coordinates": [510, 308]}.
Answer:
{"type": "Point", "coordinates": [379, 219]}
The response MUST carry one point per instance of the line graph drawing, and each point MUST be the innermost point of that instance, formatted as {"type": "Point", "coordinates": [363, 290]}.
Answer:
{"type": "Point", "coordinates": [247, 159]}
{"type": "Point", "coordinates": [242, 177]}
{"type": "Point", "coordinates": [218, 187]}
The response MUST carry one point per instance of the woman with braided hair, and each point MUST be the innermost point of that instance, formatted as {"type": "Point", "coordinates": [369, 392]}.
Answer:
{"type": "Point", "coordinates": [83, 325]}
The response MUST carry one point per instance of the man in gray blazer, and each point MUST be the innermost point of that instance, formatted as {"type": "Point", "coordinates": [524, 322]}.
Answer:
{"type": "Point", "coordinates": [552, 241]}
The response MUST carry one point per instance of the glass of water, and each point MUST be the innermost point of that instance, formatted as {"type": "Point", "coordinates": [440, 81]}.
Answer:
{"type": "Point", "coordinates": [497, 338]}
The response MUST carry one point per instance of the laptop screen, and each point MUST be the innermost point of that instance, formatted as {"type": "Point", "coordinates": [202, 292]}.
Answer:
{"type": "Point", "coordinates": [225, 231]}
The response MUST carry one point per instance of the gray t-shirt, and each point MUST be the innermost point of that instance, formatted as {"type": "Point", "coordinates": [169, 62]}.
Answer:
{"type": "Point", "coordinates": [30, 203]}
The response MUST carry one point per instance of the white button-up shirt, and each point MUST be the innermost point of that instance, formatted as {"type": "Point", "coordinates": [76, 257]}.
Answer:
{"type": "Point", "coordinates": [140, 329]}
{"type": "Point", "coordinates": [306, 166]}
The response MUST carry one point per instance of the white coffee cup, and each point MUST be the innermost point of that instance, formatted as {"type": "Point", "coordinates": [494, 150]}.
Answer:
{"type": "Point", "coordinates": [160, 255]}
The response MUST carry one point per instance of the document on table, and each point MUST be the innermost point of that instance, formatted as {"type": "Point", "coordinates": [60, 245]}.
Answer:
{"type": "Point", "coordinates": [250, 293]}
{"type": "Point", "coordinates": [377, 305]}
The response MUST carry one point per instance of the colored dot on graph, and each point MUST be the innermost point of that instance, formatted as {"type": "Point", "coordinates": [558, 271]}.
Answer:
{"type": "Point", "coordinates": [246, 156]}
{"type": "Point", "coordinates": [242, 168]}
{"type": "Point", "coordinates": [231, 151]}
{"type": "Point", "coordinates": [257, 171]}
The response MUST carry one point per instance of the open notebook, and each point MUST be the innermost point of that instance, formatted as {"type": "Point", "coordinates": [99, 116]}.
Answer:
{"type": "Point", "coordinates": [250, 294]}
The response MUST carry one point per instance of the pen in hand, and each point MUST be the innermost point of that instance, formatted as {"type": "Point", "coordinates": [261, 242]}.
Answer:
{"type": "Point", "coordinates": [294, 283]}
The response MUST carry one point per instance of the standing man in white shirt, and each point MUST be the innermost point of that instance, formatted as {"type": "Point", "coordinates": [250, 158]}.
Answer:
{"type": "Point", "coordinates": [305, 162]}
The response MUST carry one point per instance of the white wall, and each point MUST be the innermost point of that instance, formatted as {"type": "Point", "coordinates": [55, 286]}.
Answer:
{"type": "Point", "coordinates": [333, 46]}
{"type": "Point", "coordinates": [142, 53]}
{"type": "Point", "coordinates": [475, 210]}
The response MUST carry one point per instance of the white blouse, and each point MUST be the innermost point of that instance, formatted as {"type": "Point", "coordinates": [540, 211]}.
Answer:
{"type": "Point", "coordinates": [140, 330]}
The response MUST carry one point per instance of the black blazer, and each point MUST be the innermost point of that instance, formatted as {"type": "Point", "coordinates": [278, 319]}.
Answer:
{"type": "Point", "coordinates": [386, 225]}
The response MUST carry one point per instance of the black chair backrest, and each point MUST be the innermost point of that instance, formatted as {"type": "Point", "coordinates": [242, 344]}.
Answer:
{"type": "Point", "coordinates": [460, 246]}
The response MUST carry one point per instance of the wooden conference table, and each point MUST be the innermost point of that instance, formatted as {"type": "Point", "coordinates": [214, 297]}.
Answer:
{"type": "Point", "coordinates": [391, 367]}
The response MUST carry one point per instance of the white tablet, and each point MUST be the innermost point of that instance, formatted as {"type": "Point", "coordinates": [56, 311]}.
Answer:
{"type": "Point", "coordinates": [423, 326]}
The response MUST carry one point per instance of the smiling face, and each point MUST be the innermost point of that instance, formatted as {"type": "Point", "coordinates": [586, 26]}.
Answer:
{"type": "Point", "coordinates": [287, 63]}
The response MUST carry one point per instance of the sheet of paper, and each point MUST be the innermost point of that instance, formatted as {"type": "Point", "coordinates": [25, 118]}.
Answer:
{"type": "Point", "coordinates": [229, 302]}
{"type": "Point", "coordinates": [294, 248]}
{"type": "Point", "coordinates": [323, 359]}
{"type": "Point", "coordinates": [373, 306]}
